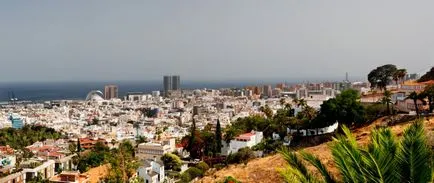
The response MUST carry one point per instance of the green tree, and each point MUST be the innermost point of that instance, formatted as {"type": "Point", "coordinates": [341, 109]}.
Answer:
{"type": "Point", "coordinates": [415, 97]}
{"type": "Point", "coordinates": [72, 147]}
{"type": "Point", "coordinates": [218, 138]}
{"type": "Point", "coordinates": [136, 126]}
{"type": "Point", "coordinates": [171, 161]}
{"type": "Point", "coordinates": [429, 93]}
{"type": "Point", "coordinates": [78, 146]}
{"type": "Point", "coordinates": [387, 99]}
{"type": "Point", "coordinates": [399, 75]}
{"type": "Point", "coordinates": [123, 165]}
{"type": "Point", "coordinates": [381, 76]}
{"type": "Point", "coordinates": [427, 76]}
{"type": "Point", "coordinates": [282, 101]}
{"type": "Point", "coordinates": [191, 142]}
{"type": "Point", "coordinates": [267, 111]}
{"type": "Point", "coordinates": [27, 154]}
{"type": "Point", "coordinates": [345, 108]}
{"type": "Point", "coordinates": [385, 160]}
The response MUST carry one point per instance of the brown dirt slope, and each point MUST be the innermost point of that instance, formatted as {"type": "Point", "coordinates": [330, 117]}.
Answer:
{"type": "Point", "coordinates": [264, 170]}
{"type": "Point", "coordinates": [98, 173]}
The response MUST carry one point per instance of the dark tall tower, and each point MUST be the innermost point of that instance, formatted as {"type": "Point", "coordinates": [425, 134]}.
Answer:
{"type": "Point", "coordinates": [176, 82]}
{"type": "Point", "coordinates": [167, 82]}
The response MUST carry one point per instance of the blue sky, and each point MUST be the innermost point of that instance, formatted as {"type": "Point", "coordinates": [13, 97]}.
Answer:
{"type": "Point", "coordinates": [83, 40]}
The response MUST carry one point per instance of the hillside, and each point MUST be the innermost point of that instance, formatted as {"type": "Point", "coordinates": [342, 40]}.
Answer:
{"type": "Point", "coordinates": [265, 169]}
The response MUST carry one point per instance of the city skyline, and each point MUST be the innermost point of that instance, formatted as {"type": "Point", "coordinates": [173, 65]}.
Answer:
{"type": "Point", "coordinates": [224, 40]}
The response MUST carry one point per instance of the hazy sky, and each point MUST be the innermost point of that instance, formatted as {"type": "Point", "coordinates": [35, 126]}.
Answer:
{"type": "Point", "coordinates": [82, 40]}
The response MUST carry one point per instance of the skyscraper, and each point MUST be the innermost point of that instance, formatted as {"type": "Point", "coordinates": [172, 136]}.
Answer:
{"type": "Point", "coordinates": [110, 91]}
{"type": "Point", "coordinates": [167, 82]}
{"type": "Point", "coordinates": [176, 82]}
{"type": "Point", "coordinates": [267, 91]}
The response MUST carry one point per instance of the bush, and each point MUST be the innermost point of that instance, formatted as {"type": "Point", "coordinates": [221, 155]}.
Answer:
{"type": "Point", "coordinates": [202, 166]}
{"type": "Point", "coordinates": [185, 177]}
{"type": "Point", "coordinates": [374, 111]}
{"type": "Point", "coordinates": [219, 166]}
{"type": "Point", "coordinates": [194, 172]}
{"type": "Point", "coordinates": [242, 156]}
{"type": "Point", "coordinates": [230, 179]}
{"type": "Point", "coordinates": [171, 161]}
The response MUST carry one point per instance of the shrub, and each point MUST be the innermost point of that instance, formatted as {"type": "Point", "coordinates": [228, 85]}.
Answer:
{"type": "Point", "coordinates": [219, 166]}
{"type": "Point", "coordinates": [203, 166]}
{"type": "Point", "coordinates": [242, 156]}
{"type": "Point", "coordinates": [171, 161]}
{"type": "Point", "coordinates": [194, 172]}
{"type": "Point", "coordinates": [230, 179]}
{"type": "Point", "coordinates": [185, 177]}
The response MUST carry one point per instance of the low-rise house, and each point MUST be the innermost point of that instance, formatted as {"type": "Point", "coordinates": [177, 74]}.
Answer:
{"type": "Point", "coordinates": [6, 150]}
{"type": "Point", "coordinates": [411, 86]}
{"type": "Point", "coordinates": [244, 140]}
{"type": "Point", "coordinates": [89, 143]}
{"type": "Point", "coordinates": [70, 177]}
{"type": "Point", "coordinates": [34, 168]}
{"type": "Point", "coordinates": [151, 171]}
{"type": "Point", "coordinates": [407, 105]}
{"type": "Point", "coordinates": [18, 177]}
{"type": "Point", "coordinates": [64, 163]}
{"type": "Point", "coordinates": [7, 161]}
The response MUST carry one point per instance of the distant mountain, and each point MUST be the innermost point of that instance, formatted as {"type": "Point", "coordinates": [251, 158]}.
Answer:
{"type": "Point", "coordinates": [428, 76]}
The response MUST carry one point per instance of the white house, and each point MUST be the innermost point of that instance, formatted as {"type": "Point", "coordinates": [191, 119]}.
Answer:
{"type": "Point", "coordinates": [244, 140]}
{"type": "Point", "coordinates": [44, 169]}
{"type": "Point", "coordinates": [151, 171]}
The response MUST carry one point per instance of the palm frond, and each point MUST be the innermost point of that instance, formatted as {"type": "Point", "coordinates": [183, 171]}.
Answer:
{"type": "Point", "coordinates": [380, 159]}
{"type": "Point", "coordinates": [347, 157]}
{"type": "Point", "coordinates": [318, 165]}
{"type": "Point", "coordinates": [292, 159]}
{"type": "Point", "coordinates": [414, 156]}
{"type": "Point", "coordinates": [296, 171]}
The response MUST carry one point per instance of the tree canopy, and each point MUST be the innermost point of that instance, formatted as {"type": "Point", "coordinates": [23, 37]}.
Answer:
{"type": "Point", "coordinates": [20, 138]}
{"type": "Point", "coordinates": [171, 161]}
{"type": "Point", "coordinates": [381, 76]}
{"type": "Point", "coordinates": [345, 108]}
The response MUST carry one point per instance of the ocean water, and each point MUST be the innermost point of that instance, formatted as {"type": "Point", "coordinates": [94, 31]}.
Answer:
{"type": "Point", "coordinates": [44, 91]}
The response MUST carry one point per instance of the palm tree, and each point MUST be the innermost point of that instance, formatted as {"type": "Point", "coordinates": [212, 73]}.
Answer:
{"type": "Point", "coordinates": [136, 125]}
{"type": "Point", "coordinates": [415, 96]}
{"type": "Point", "coordinates": [401, 74]}
{"type": "Point", "coordinates": [282, 101]}
{"type": "Point", "coordinates": [387, 99]}
{"type": "Point", "coordinates": [395, 77]}
{"type": "Point", "coordinates": [385, 160]}
{"type": "Point", "coordinates": [295, 101]}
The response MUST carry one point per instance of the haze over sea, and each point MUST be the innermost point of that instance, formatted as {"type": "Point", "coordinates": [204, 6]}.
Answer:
{"type": "Point", "coordinates": [44, 91]}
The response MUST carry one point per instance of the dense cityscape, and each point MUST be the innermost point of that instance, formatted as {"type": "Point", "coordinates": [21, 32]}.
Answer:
{"type": "Point", "coordinates": [149, 136]}
{"type": "Point", "coordinates": [202, 91]}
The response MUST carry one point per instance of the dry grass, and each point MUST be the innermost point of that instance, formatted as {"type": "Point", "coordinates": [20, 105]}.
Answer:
{"type": "Point", "coordinates": [98, 173]}
{"type": "Point", "coordinates": [265, 169]}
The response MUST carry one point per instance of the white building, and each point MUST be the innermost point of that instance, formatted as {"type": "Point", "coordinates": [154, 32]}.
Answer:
{"type": "Point", "coordinates": [244, 140]}
{"type": "Point", "coordinates": [151, 171]}
{"type": "Point", "coordinates": [155, 150]}
{"type": "Point", "coordinates": [45, 170]}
